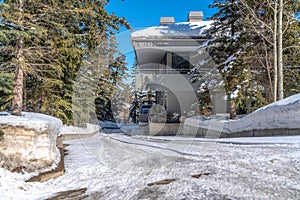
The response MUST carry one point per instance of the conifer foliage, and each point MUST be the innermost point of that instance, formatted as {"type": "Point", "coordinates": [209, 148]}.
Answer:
{"type": "Point", "coordinates": [243, 42]}
{"type": "Point", "coordinates": [43, 46]}
{"type": "Point", "coordinates": [228, 43]}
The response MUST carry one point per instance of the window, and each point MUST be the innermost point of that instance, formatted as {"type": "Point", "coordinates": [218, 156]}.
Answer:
{"type": "Point", "coordinates": [180, 62]}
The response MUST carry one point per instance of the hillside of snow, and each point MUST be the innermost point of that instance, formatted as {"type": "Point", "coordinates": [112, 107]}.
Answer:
{"type": "Point", "coordinates": [283, 114]}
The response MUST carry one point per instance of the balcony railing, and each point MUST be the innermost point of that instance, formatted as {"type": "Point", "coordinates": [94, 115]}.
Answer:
{"type": "Point", "coordinates": [162, 71]}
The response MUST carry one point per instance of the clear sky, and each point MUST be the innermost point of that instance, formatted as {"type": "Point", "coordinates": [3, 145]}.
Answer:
{"type": "Point", "coordinates": [145, 13]}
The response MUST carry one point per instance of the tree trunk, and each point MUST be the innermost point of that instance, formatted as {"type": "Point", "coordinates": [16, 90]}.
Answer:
{"type": "Point", "coordinates": [275, 53]}
{"type": "Point", "coordinates": [280, 58]}
{"type": "Point", "coordinates": [24, 92]}
{"type": "Point", "coordinates": [232, 109]}
{"type": "Point", "coordinates": [17, 102]}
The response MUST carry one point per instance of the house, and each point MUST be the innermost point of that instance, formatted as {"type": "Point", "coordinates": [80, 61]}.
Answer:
{"type": "Point", "coordinates": [165, 55]}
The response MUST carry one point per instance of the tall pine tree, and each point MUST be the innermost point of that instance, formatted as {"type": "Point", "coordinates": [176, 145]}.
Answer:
{"type": "Point", "coordinates": [46, 43]}
{"type": "Point", "coordinates": [226, 47]}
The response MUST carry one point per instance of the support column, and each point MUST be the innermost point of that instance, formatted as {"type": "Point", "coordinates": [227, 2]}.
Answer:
{"type": "Point", "coordinates": [169, 59]}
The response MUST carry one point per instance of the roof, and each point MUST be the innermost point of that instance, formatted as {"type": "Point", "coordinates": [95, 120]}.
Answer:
{"type": "Point", "coordinates": [182, 29]}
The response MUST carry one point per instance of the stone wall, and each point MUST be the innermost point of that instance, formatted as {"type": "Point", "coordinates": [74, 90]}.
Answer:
{"type": "Point", "coordinates": [165, 129]}
{"type": "Point", "coordinates": [28, 142]}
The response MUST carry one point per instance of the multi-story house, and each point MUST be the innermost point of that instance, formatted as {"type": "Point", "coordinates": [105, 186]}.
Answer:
{"type": "Point", "coordinates": [165, 56]}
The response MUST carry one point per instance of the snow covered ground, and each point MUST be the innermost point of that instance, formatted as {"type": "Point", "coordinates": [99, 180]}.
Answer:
{"type": "Point", "coordinates": [90, 129]}
{"type": "Point", "coordinates": [121, 167]}
{"type": "Point", "coordinates": [283, 114]}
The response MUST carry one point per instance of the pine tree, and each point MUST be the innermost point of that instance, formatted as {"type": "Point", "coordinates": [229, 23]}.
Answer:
{"type": "Point", "coordinates": [26, 53]}
{"type": "Point", "coordinates": [252, 70]}
{"type": "Point", "coordinates": [273, 21]}
{"type": "Point", "coordinates": [6, 89]}
{"type": "Point", "coordinates": [93, 28]}
{"type": "Point", "coordinates": [226, 47]}
{"type": "Point", "coordinates": [55, 39]}
{"type": "Point", "coordinates": [291, 49]}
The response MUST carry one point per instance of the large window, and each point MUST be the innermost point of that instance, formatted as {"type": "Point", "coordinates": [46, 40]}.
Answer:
{"type": "Point", "coordinates": [180, 62]}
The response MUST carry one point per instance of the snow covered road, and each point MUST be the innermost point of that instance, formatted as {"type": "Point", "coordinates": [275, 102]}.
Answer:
{"type": "Point", "coordinates": [123, 167]}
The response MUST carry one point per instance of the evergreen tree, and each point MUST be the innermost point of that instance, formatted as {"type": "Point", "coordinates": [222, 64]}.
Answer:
{"type": "Point", "coordinates": [262, 20]}
{"type": "Point", "coordinates": [291, 50]}
{"type": "Point", "coordinates": [6, 89]}
{"type": "Point", "coordinates": [95, 45]}
{"type": "Point", "coordinates": [24, 46]}
{"type": "Point", "coordinates": [45, 43]}
{"type": "Point", "coordinates": [227, 44]}
{"type": "Point", "coordinates": [244, 46]}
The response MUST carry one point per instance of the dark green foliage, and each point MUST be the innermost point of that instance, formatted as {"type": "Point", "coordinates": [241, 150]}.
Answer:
{"type": "Point", "coordinates": [6, 88]}
{"type": "Point", "coordinates": [242, 47]}
{"type": "Point", "coordinates": [250, 98]}
{"type": "Point", "coordinates": [291, 54]}
{"type": "Point", "coordinates": [1, 135]}
{"type": "Point", "coordinates": [228, 44]}
{"type": "Point", "coordinates": [59, 50]}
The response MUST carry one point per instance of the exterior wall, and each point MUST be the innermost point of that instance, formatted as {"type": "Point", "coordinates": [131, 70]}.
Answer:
{"type": "Point", "coordinates": [180, 102]}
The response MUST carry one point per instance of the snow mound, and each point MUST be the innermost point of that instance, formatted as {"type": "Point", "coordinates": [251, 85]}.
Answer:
{"type": "Point", "coordinates": [284, 114]}
{"type": "Point", "coordinates": [172, 30]}
{"type": "Point", "coordinates": [36, 121]}
{"type": "Point", "coordinates": [28, 142]}
{"type": "Point", "coordinates": [90, 129]}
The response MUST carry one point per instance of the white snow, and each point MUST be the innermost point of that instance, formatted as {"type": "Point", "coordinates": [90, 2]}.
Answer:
{"type": "Point", "coordinates": [171, 30]}
{"type": "Point", "coordinates": [282, 114]}
{"type": "Point", "coordinates": [89, 129]}
{"type": "Point", "coordinates": [35, 121]}
{"type": "Point", "coordinates": [120, 167]}
{"type": "Point", "coordinates": [30, 149]}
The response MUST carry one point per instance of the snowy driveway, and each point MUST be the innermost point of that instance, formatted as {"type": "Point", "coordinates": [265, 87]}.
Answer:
{"type": "Point", "coordinates": [123, 167]}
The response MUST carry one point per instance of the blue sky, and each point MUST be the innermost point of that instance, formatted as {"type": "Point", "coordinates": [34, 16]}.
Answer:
{"type": "Point", "coordinates": [142, 14]}
{"type": "Point", "coordinates": [148, 12]}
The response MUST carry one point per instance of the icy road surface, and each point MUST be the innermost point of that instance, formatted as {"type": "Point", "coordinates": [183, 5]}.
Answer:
{"type": "Point", "coordinates": [123, 167]}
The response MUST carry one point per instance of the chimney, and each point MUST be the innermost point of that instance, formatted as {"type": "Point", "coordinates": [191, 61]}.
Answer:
{"type": "Point", "coordinates": [195, 16]}
{"type": "Point", "coordinates": [166, 20]}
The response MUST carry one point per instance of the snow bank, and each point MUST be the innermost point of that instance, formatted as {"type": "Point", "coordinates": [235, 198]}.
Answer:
{"type": "Point", "coordinates": [282, 115]}
{"type": "Point", "coordinates": [171, 30]}
{"type": "Point", "coordinates": [90, 129]}
{"type": "Point", "coordinates": [28, 142]}
{"type": "Point", "coordinates": [36, 121]}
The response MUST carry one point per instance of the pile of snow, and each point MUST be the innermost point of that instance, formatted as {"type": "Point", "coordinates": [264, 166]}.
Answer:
{"type": "Point", "coordinates": [178, 29]}
{"type": "Point", "coordinates": [89, 129]}
{"type": "Point", "coordinates": [283, 114]}
{"type": "Point", "coordinates": [28, 142]}
{"type": "Point", "coordinates": [36, 121]}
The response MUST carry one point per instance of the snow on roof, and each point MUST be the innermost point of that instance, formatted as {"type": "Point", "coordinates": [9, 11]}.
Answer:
{"type": "Point", "coordinates": [187, 29]}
